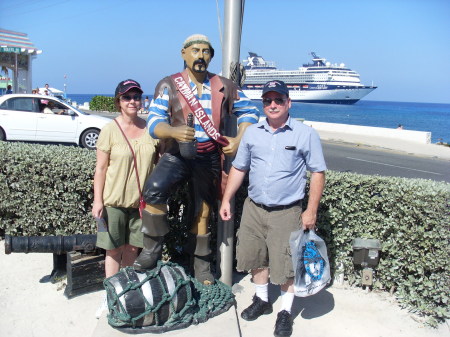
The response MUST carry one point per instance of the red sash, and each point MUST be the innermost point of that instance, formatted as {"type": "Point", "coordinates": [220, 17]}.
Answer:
{"type": "Point", "coordinates": [198, 110]}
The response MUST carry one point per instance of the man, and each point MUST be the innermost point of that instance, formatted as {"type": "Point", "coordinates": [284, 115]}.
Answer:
{"type": "Point", "coordinates": [8, 89]}
{"type": "Point", "coordinates": [169, 110]}
{"type": "Point", "coordinates": [47, 90]}
{"type": "Point", "coordinates": [277, 151]}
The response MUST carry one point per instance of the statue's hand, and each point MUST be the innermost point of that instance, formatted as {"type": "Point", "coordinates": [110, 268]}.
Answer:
{"type": "Point", "coordinates": [232, 147]}
{"type": "Point", "coordinates": [183, 133]}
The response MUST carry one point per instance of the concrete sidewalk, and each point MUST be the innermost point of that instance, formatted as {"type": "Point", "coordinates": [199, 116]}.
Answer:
{"type": "Point", "coordinates": [388, 144]}
{"type": "Point", "coordinates": [33, 307]}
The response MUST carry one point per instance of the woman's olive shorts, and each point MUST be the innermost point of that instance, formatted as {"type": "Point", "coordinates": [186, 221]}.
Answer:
{"type": "Point", "coordinates": [263, 240]}
{"type": "Point", "coordinates": [124, 227]}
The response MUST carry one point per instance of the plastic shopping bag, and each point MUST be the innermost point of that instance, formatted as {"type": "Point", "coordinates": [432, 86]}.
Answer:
{"type": "Point", "coordinates": [310, 260]}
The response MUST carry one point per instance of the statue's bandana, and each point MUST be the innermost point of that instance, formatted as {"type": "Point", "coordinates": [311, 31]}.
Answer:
{"type": "Point", "coordinates": [198, 110]}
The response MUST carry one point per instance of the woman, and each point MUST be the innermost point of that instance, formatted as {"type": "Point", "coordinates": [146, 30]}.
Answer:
{"type": "Point", "coordinates": [146, 104]}
{"type": "Point", "coordinates": [116, 194]}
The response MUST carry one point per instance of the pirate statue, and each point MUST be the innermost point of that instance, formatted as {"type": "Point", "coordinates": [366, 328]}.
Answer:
{"type": "Point", "coordinates": [188, 113]}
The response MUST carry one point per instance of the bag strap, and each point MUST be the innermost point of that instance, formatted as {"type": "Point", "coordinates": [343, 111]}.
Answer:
{"type": "Point", "coordinates": [134, 158]}
{"type": "Point", "coordinates": [198, 110]}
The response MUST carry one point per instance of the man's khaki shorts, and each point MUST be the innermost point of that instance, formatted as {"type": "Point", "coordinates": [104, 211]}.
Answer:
{"type": "Point", "coordinates": [263, 240]}
{"type": "Point", "coordinates": [124, 227]}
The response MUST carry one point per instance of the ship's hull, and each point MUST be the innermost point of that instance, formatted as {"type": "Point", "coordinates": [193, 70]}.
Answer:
{"type": "Point", "coordinates": [308, 93]}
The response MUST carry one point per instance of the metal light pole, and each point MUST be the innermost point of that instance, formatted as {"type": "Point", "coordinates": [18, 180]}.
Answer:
{"type": "Point", "coordinates": [65, 86]}
{"type": "Point", "coordinates": [16, 75]}
{"type": "Point", "coordinates": [233, 17]}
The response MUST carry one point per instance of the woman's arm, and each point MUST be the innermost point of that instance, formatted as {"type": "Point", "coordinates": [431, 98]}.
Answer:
{"type": "Point", "coordinates": [99, 182]}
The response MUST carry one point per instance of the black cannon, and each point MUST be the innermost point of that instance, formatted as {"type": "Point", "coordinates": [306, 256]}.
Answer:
{"type": "Point", "coordinates": [50, 244]}
{"type": "Point", "coordinates": [75, 256]}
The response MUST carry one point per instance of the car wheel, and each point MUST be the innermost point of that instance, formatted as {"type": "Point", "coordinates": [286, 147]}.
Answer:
{"type": "Point", "coordinates": [2, 134]}
{"type": "Point", "coordinates": [89, 138]}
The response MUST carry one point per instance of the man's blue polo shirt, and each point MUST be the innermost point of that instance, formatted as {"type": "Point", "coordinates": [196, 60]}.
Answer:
{"type": "Point", "coordinates": [278, 161]}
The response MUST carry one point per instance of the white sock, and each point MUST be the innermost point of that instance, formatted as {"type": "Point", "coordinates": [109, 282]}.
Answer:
{"type": "Point", "coordinates": [286, 301]}
{"type": "Point", "coordinates": [262, 291]}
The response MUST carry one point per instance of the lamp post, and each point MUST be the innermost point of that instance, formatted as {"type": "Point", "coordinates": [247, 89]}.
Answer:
{"type": "Point", "coordinates": [16, 75]}
{"type": "Point", "coordinates": [65, 86]}
{"type": "Point", "coordinates": [234, 12]}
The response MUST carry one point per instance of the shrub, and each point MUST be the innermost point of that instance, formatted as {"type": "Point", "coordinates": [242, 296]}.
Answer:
{"type": "Point", "coordinates": [102, 103]}
{"type": "Point", "coordinates": [47, 190]}
{"type": "Point", "coordinates": [410, 217]}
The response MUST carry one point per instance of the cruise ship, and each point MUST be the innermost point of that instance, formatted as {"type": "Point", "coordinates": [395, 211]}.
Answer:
{"type": "Point", "coordinates": [318, 82]}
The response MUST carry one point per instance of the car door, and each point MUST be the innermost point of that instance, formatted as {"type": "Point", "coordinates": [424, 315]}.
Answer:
{"type": "Point", "coordinates": [18, 117]}
{"type": "Point", "coordinates": [56, 125]}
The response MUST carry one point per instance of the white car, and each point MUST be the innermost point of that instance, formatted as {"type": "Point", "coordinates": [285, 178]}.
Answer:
{"type": "Point", "coordinates": [31, 117]}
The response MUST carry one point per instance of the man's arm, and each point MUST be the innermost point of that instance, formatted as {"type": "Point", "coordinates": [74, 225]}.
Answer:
{"type": "Point", "coordinates": [316, 186]}
{"type": "Point", "coordinates": [235, 179]}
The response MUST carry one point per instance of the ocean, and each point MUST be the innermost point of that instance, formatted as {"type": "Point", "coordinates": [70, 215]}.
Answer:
{"type": "Point", "coordinates": [431, 117]}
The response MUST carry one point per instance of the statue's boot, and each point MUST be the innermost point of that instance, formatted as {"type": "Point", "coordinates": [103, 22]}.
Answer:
{"type": "Point", "coordinates": [202, 260]}
{"type": "Point", "coordinates": [154, 227]}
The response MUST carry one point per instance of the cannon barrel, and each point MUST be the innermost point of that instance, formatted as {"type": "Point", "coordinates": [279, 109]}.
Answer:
{"type": "Point", "coordinates": [50, 244]}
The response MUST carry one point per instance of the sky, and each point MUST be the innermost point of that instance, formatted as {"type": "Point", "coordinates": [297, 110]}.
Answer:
{"type": "Point", "coordinates": [401, 46]}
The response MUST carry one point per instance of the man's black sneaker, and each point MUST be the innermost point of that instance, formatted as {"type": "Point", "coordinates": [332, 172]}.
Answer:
{"type": "Point", "coordinates": [283, 325]}
{"type": "Point", "coordinates": [256, 309]}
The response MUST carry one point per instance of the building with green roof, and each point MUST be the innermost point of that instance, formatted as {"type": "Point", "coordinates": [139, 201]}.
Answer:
{"type": "Point", "coordinates": [16, 55]}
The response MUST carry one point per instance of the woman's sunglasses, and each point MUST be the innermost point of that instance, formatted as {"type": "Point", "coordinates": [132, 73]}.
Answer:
{"type": "Point", "coordinates": [128, 98]}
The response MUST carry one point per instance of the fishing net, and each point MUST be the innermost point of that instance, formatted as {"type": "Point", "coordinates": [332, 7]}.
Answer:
{"type": "Point", "coordinates": [162, 299]}
{"type": "Point", "coordinates": [237, 73]}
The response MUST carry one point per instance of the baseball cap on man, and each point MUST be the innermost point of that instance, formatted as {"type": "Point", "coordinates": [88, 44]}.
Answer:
{"type": "Point", "coordinates": [126, 86]}
{"type": "Point", "coordinates": [277, 86]}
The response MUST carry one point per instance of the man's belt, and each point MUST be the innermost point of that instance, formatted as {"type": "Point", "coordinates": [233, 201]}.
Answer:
{"type": "Point", "coordinates": [277, 208]}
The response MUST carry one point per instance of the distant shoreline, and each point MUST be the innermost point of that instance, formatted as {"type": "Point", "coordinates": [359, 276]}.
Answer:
{"type": "Point", "coordinates": [363, 100]}
{"type": "Point", "coordinates": [425, 117]}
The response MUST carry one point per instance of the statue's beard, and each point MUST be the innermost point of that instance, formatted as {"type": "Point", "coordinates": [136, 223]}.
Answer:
{"type": "Point", "coordinates": [199, 66]}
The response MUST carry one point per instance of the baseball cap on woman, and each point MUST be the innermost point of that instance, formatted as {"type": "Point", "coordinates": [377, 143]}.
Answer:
{"type": "Point", "coordinates": [127, 85]}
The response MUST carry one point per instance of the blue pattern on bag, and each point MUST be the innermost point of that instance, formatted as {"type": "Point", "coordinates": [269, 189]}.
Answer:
{"type": "Point", "coordinates": [311, 256]}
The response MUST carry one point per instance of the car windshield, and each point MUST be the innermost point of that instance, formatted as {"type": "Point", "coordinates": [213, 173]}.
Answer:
{"type": "Point", "coordinates": [57, 98]}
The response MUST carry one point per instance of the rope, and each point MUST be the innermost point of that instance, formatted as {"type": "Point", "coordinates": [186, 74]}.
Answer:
{"type": "Point", "coordinates": [201, 302]}
{"type": "Point", "coordinates": [237, 73]}
{"type": "Point", "coordinates": [219, 24]}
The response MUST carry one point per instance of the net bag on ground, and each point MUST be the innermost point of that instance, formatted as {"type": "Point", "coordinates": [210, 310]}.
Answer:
{"type": "Point", "coordinates": [162, 299]}
{"type": "Point", "coordinates": [310, 262]}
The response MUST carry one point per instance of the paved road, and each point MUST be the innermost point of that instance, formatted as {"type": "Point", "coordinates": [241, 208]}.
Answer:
{"type": "Point", "coordinates": [348, 157]}
{"type": "Point", "coordinates": [367, 160]}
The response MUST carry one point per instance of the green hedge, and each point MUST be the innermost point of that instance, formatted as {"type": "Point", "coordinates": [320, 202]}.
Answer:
{"type": "Point", "coordinates": [47, 190]}
{"type": "Point", "coordinates": [102, 103]}
{"type": "Point", "coordinates": [411, 219]}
